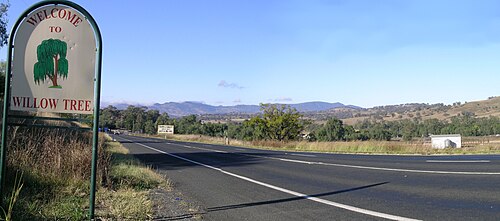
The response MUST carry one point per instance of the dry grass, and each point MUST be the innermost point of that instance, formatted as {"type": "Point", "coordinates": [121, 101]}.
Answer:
{"type": "Point", "coordinates": [474, 146]}
{"type": "Point", "coordinates": [482, 108]}
{"type": "Point", "coordinates": [124, 204]}
{"type": "Point", "coordinates": [55, 153]}
{"type": "Point", "coordinates": [56, 167]}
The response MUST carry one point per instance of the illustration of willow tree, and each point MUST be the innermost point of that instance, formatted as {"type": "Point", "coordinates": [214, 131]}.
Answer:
{"type": "Point", "coordinates": [51, 55]}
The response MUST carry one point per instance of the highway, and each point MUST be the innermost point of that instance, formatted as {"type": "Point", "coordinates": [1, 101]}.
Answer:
{"type": "Point", "coordinates": [236, 183]}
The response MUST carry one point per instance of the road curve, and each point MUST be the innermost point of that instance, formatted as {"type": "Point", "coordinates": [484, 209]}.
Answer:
{"type": "Point", "coordinates": [236, 183]}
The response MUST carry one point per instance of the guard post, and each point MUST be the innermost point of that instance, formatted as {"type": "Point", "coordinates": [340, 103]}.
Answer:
{"type": "Point", "coordinates": [53, 65]}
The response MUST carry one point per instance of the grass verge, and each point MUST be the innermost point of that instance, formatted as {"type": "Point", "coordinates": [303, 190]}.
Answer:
{"type": "Point", "coordinates": [356, 147]}
{"type": "Point", "coordinates": [55, 168]}
{"type": "Point", "coordinates": [127, 198]}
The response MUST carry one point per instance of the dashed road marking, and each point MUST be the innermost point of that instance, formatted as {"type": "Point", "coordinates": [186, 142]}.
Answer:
{"type": "Point", "coordinates": [312, 198]}
{"type": "Point", "coordinates": [457, 161]}
{"type": "Point", "coordinates": [354, 166]}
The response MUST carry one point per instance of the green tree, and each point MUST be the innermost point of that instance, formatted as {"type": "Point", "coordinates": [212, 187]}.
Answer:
{"type": "Point", "coordinates": [4, 7]}
{"type": "Point", "coordinates": [333, 130]}
{"type": "Point", "coordinates": [149, 127]}
{"type": "Point", "coordinates": [152, 115]}
{"type": "Point", "coordinates": [3, 41]}
{"type": "Point", "coordinates": [133, 118]}
{"type": "Point", "coordinates": [109, 117]}
{"type": "Point", "coordinates": [163, 119]}
{"type": "Point", "coordinates": [51, 55]}
{"type": "Point", "coordinates": [281, 122]}
{"type": "Point", "coordinates": [3, 66]}
{"type": "Point", "coordinates": [187, 125]}
{"type": "Point", "coordinates": [380, 132]}
{"type": "Point", "coordinates": [253, 129]}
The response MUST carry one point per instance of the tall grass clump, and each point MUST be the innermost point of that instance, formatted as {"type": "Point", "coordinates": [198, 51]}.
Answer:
{"type": "Point", "coordinates": [18, 185]}
{"type": "Point", "coordinates": [55, 164]}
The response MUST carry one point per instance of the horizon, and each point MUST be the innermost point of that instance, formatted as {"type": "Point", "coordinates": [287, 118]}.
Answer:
{"type": "Point", "coordinates": [362, 53]}
{"type": "Point", "coordinates": [200, 102]}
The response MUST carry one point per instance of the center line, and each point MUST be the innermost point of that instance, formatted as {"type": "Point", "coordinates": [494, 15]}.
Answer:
{"type": "Point", "coordinates": [457, 161]}
{"type": "Point", "coordinates": [316, 199]}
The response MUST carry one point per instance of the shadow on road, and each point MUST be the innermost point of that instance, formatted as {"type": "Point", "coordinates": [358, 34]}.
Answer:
{"type": "Point", "coordinates": [219, 160]}
{"type": "Point", "coordinates": [244, 205]}
{"type": "Point", "coordinates": [162, 161]}
{"type": "Point", "coordinates": [237, 206]}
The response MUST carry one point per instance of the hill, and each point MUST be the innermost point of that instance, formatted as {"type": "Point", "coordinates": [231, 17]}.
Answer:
{"type": "Point", "coordinates": [186, 108]}
{"type": "Point", "coordinates": [320, 111]}
{"type": "Point", "coordinates": [483, 108]}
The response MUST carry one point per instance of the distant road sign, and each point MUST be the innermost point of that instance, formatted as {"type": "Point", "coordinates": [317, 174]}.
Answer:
{"type": "Point", "coordinates": [166, 129]}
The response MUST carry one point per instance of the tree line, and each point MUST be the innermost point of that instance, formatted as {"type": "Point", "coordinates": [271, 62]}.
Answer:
{"type": "Point", "coordinates": [283, 123]}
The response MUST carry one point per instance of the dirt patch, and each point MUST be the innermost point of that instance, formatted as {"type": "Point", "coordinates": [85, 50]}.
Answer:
{"type": "Point", "coordinates": [172, 205]}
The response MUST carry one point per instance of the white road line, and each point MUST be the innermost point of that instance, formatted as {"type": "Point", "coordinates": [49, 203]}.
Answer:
{"type": "Point", "coordinates": [377, 168]}
{"type": "Point", "coordinates": [316, 199]}
{"type": "Point", "coordinates": [356, 166]}
{"type": "Point", "coordinates": [303, 155]}
{"type": "Point", "coordinates": [457, 161]}
{"type": "Point", "coordinates": [200, 148]}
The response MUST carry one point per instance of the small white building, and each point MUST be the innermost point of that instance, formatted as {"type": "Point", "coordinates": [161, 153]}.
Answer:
{"type": "Point", "coordinates": [445, 141]}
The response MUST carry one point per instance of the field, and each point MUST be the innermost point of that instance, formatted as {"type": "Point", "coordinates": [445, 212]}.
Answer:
{"type": "Point", "coordinates": [471, 145]}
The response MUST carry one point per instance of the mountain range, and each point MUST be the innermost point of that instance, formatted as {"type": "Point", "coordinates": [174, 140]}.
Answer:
{"type": "Point", "coordinates": [189, 107]}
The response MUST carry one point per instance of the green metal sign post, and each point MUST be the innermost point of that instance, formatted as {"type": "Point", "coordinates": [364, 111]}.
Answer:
{"type": "Point", "coordinates": [69, 13]}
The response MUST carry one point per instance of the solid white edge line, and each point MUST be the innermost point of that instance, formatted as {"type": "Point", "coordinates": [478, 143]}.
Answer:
{"type": "Point", "coordinates": [457, 161]}
{"type": "Point", "coordinates": [319, 200]}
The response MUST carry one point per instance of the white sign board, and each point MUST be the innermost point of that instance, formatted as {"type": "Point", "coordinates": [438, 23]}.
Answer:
{"type": "Point", "coordinates": [166, 129]}
{"type": "Point", "coordinates": [54, 62]}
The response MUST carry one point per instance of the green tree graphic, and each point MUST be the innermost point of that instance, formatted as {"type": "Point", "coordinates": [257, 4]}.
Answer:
{"type": "Point", "coordinates": [51, 55]}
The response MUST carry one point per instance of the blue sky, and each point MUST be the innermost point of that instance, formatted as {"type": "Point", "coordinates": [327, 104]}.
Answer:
{"type": "Point", "coordinates": [228, 52]}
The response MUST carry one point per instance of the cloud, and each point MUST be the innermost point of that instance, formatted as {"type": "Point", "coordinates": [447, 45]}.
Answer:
{"type": "Point", "coordinates": [281, 99]}
{"type": "Point", "coordinates": [125, 102]}
{"type": "Point", "coordinates": [225, 84]}
{"type": "Point", "coordinates": [237, 101]}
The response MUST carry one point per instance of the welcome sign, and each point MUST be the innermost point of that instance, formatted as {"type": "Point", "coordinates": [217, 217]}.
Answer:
{"type": "Point", "coordinates": [54, 62]}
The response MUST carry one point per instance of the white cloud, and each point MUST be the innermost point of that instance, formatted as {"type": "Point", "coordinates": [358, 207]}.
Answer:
{"type": "Point", "coordinates": [281, 99]}
{"type": "Point", "coordinates": [225, 84]}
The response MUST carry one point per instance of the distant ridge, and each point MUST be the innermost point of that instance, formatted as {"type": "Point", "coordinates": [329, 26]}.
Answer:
{"type": "Point", "coordinates": [190, 107]}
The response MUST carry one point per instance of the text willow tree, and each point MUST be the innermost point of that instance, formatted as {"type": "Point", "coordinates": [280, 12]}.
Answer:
{"type": "Point", "coordinates": [51, 55]}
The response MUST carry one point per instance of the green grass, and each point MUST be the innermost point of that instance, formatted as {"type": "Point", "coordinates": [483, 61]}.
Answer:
{"type": "Point", "coordinates": [45, 198]}
{"type": "Point", "coordinates": [126, 171]}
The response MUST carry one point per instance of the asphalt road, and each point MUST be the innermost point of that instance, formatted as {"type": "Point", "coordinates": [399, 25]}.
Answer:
{"type": "Point", "coordinates": [236, 183]}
